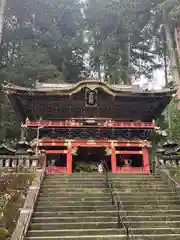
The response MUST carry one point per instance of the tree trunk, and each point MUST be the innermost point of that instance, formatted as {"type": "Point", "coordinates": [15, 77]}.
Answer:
{"type": "Point", "coordinates": [2, 10]}
{"type": "Point", "coordinates": [99, 71]}
{"type": "Point", "coordinates": [177, 38]}
{"type": "Point", "coordinates": [172, 54]}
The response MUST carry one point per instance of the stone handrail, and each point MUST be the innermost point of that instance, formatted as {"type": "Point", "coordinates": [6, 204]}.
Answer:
{"type": "Point", "coordinates": [166, 176]}
{"type": "Point", "coordinates": [164, 172]}
{"type": "Point", "coordinates": [27, 210]}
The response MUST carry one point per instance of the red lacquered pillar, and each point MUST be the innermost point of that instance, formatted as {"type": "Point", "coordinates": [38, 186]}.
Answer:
{"type": "Point", "coordinates": [69, 158]}
{"type": "Point", "coordinates": [113, 159]}
{"type": "Point", "coordinates": [145, 155]}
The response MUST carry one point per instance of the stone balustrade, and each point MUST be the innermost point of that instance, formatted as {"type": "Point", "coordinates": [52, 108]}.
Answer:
{"type": "Point", "coordinates": [14, 161]}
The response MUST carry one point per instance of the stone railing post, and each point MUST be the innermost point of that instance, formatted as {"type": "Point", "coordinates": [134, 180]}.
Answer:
{"type": "Point", "coordinates": [1, 162]}
{"type": "Point", "coordinates": [27, 161]}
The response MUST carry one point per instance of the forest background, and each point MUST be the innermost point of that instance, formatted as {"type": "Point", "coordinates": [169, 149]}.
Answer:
{"type": "Point", "coordinates": [116, 41]}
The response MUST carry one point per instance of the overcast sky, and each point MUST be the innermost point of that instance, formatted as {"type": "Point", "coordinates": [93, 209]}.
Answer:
{"type": "Point", "coordinates": [157, 82]}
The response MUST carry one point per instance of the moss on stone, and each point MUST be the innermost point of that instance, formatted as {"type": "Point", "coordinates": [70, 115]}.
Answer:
{"type": "Point", "coordinates": [175, 173]}
{"type": "Point", "coordinates": [13, 190]}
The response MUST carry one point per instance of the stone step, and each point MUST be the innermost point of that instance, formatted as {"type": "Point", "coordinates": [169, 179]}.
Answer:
{"type": "Point", "coordinates": [103, 225]}
{"type": "Point", "coordinates": [98, 182]}
{"type": "Point", "coordinates": [153, 207]}
{"type": "Point", "coordinates": [75, 198]}
{"type": "Point", "coordinates": [127, 193]}
{"type": "Point", "coordinates": [96, 237]}
{"type": "Point", "coordinates": [155, 230]}
{"type": "Point", "coordinates": [80, 232]}
{"type": "Point", "coordinates": [102, 185]}
{"type": "Point", "coordinates": [78, 225]}
{"type": "Point", "coordinates": [63, 189]}
{"type": "Point", "coordinates": [74, 232]}
{"type": "Point", "coordinates": [105, 190]}
{"type": "Point", "coordinates": [106, 202]}
{"type": "Point", "coordinates": [102, 178]}
{"type": "Point", "coordinates": [111, 237]}
{"type": "Point", "coordinates": [105, 198]}
{"type": "Point", "coordinates": [99, 207]}
{"type": "Point", "coordinates": [154, 224]}
{"type": "Point", "coordinates": [74, 219]}
{"type": "Point", "coordinates": [105, 213]}
{"type": "Point", "coordinates": [100, 189]}
{"type": "Point", "coordinates": [73, 203]}
{"type": "Point", "coordinates": [119, 175]}
{"type": "Point", "coordinates": [92, 207]}
{"type": "Point", "coordinates": [109, 213]}
{"type": "Point", "coordinates": [73, 186]}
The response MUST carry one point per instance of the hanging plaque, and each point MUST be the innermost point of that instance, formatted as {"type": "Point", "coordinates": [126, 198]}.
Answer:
{"type": "Point", "coordinates": [91, 98]}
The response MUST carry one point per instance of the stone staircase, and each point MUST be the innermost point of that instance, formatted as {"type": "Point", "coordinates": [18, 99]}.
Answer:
{"type": "Point", "coordinates": [78, 206]}
{"type": "Point", "coordinates": [153, 209]}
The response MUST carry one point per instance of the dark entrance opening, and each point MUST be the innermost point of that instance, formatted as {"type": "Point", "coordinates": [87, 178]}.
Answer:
{"type": "Point", "coordinates": [57, 160]}
{"type": "Point", "coordinates": [87, 159]}
{"type": "Point", "coordinates": [129, 160]}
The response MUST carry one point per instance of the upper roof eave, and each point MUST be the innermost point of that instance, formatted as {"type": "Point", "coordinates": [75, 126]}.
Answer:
{"type": "Point", "coordinates": [68, 89]}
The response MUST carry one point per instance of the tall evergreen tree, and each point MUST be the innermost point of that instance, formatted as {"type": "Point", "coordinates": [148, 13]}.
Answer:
{"type": "Point", "coordinates": [121, 36]}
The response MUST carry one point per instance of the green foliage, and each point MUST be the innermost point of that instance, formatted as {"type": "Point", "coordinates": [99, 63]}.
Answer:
{"type": "Point", "coordinates": [13, 189]}
{"type": "Point", "coordinates": [175, 123]}
{"type": "Point", "coordinates": [121, 34]}
{"type": "Point", "coordinates": [54, 35]}
{"type": "Point", "coordinates": [67, 40]}
{"type": "Point", "coordinates": [41, 40]}
{"type": "Point", "coordinates": [33, 63]}
{"type": "Point", "coordinates": [85, 167]}
{"type": "Point", "coordinates": [172, 7]}
{"type": "Point", "coordinates": [175, 173]}
{"type": "Point", "coordinates": [3, 233]}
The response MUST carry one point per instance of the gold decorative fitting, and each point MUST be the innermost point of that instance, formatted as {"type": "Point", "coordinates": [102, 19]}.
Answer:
{"type": "Point", "coordinates": [69, 144]}
{"type": "Point", "coordinates": [108, 152]}
{"type": "Point", "coordinates": [74, 151]}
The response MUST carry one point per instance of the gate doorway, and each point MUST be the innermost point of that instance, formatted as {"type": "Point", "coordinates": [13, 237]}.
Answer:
{"type": "Point", "coordinates": [87, 159]}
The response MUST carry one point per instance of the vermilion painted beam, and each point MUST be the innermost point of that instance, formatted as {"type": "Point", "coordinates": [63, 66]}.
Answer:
{"type": "Point", "coordinates": [46, 144]}
{"type": "Point", "coordinates": [130, 170]}
{"type": "Point", "coordinates": [129, 152]}
{"type": "Point", "coordinates": [86, 140]}
{"type": "Point", "coordinates": [56, 151]}
{"type": "Point", "coordinates": [92, 143]}
{"type": "Point", "coordinates": [107, 124]}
